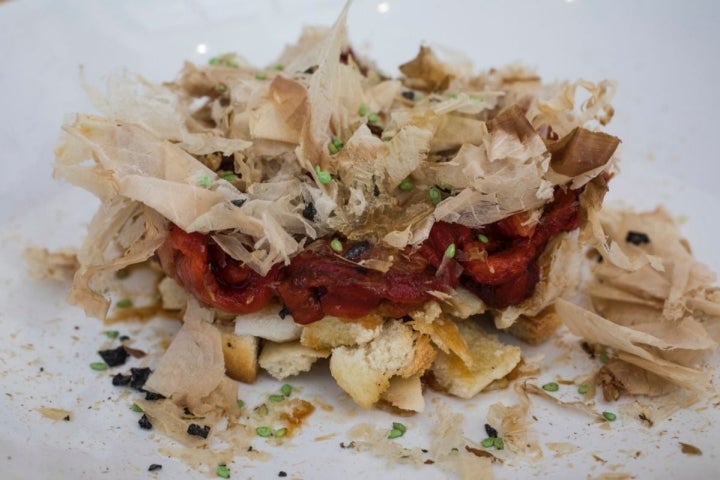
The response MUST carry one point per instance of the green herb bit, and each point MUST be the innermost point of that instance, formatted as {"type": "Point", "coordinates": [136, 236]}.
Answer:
{"type": "Point", "coordinates": [231, 63]}
{"type": "Point", "coordinates": [483, 239]}
{"type": "Point", "coordinates": [406, 185]}
{"type": "Point", "coordinates": [264, 431]}
{"type": "Point", "coordinates": [112, 334]}
{"type": "Point", "coordinates": [399, 426]}
{"type": "Point", "coordinates": [99, 366]}
{"type": "Point", "coordinates": [286, 389]}
{"type": "Point", "coordinates": [450, 251]}
{"type": "Point", "coordinates": [279, 67]}
{"type": "Point", "coordinates": [124, 303]}
{"type": "Point", "coordinates": [583, 389]}
{"type": "Point", "coordinates": [276, 398]}
{"type": "Point", "coordinates": [338, 143]}
{"type": "Point", "coordinates": [435, 196]}
{"type": "Point", "coordinates": [215, 61]}
{"type": "Point", "coordinates": [333, 149]}
{"type": "Point", "coordinates": [222, 471]}
{"type": "Point", "coordinates": [498, 443]}
{"type": "Point", "coordinates": [395, 433]}
{"type": "Point", "coordinates": [221, 87]}
{"type": "Point", "coordinates": [240, 403]}
{"type": "Point", "coordinates": [280, 432]}
{"type": "Point", "coordinates": [323, 176]}
{"type": "Point", "coordinates": [373, 118]}
{"type": "Point", "coordinates": [603, 357]}
{"type": "Point", "coordinates": [363, 109]}
{"type": "Point", "coordinates": [229, 176]}
{"type": "Point", "coordinates": [205, 181]}
{"type": "Point", "coordinates": [488, 442]}
{"type": "Point", "coordinates": [609, 416]}
{"type": "Point", "coordinates": [122, 273]}
{"type": "Point", "coordinates": [260, 75]}
{"type": "Point", "coordinates": [136, 408]}
{"type": "Point", "coordinates": [551, 387]}
{"type": "Point", "coordinates": [336, 245]}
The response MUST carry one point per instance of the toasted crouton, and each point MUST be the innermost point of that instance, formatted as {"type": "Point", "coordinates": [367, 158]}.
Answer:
{"type": "Point", "coordinates": [282, 360]}
{"type": "Point", "coordinates": [331, 332]}
{"type": "Point", "coordinates": [268, 324]}
{"type": "Point", "coordinates": [240, 353]}
{"type": "Point", "coordinates": [491, 361]}
{"type": "Point", "coordinates": [364, 371]}
{"type": "Point", "coordinates": [537, 329]}
{"type": "Point", "coordinates": [405, 394]}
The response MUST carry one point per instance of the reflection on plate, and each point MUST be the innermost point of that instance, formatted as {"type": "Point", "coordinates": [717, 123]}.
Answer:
{"type": "Point", "coordinates": [46, 345]}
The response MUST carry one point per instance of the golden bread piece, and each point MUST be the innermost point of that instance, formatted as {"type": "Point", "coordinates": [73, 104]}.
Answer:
{"type": "Point", "coordinates": [535, 330]}
{"type": "Point", "coordinates": [282, 360]}
{"type": "Point", "coordinates": [331, 332]}
{"type": "Point", "coordinates": [240, 353]}
{"type": "Point", "coordinates": [405, 394]}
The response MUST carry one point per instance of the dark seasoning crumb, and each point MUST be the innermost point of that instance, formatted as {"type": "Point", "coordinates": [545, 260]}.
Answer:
{"type": "Point", "coordinates": [198, 431]}
{"type": "Point", "coordinates": [144, 423]}
{"type": "Point", "coordinates": [114, 357]}
{"type": "Point", "coordinates": [153, 467]}
{"type": "Point", "coordinates": [637, 238]}
{"type": "Point", "coordinates": [491, 432]}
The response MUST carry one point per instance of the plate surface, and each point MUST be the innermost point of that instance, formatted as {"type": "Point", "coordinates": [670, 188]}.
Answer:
{"type": "Point", "coordinates": [662, 54]}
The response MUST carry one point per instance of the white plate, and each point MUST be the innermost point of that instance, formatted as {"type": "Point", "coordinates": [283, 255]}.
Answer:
{"type": "Point", "coordinates": [662, 55]}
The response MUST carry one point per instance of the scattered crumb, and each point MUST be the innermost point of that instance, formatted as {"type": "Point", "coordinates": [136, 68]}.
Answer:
{"type": "Point", "coordinates": [688, 449]}
{"type": "Point", "coordinates": [55, 413]}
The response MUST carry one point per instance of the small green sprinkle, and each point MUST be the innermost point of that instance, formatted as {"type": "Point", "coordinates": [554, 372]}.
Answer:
{"type": "Point", "coordinates": [122, 273]}
{"type": "Point", "coordinates": [609, 416]}
{"type": "Point", "coordinates": [498, 443]}
{"type": "Point", "coordinates": [450, 251]}
{"type": "Point", "coordinates": [336, 245]}
{"type": "Point", "coordinates": [263, 431]}
{"type": "Point", "coordinates": [222, 471]}
{"type": "Point", "coordinates": [215, 61]}
{"type": "Point", "coordinates": [229, 176]}
{"type": "Point", "coordinates": [488, 442]}
{"type": "Point", "coordinates": [434, 194]}
{"type": "Point", "coordinates": [333, 149]}
{"type": "Point", "coordinates": [280, 432]}
{"type": "Point", "coordinates": [452, 95]}
{"type": "Point", "coordinates": [362, 109]}
{"type": "Point", "coordinates": [276, 398]}
{"type": "Point", "coordinates": [323, 176]}
{"type": "Point", "coordinates": [583, 389]}
{"type": "Point", "coordinates": [221, 87]}
{"type": "Point", "coordinates": [483, 238]}
{"type": "Point", "coordinates": [395, 433]}
{"type": "Point", "coordinates": [136, 408]}
{"type": "Point", "coordinates": [279, 66]}
{"type": "Point", "coordinates": [260, 75]}
{"type": "Point", "coordinates": [373, 118]}
{"type": "Point", "coordinates": [99, 366]}
{"type": "Point", "coordinates": [112, 334]}
{"type": "Point", "coordinates": [240, 403]}
{"type": "Point", "coordinates": [603, 357]}
{"type": "Point", "coordinates": [231, 63]}
{"type": "Point", "coordinates": [551, 387]}
{"type": "Point", "coordinates": [124, 303]}
{"type": "Point", "coordinates": [399, 426]}
{"type": "Point", "coordinates": [406, 185]}
{"type": "Point", "coordinates": [205, 181]}
{"type": "Point", "coordinates": [286, 389]}
{"type": "Point", "coordinates": [338, 143]}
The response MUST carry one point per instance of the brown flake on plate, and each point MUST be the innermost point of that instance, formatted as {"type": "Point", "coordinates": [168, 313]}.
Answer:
{"type": "Point", "coordinates": [688, 449]}
{"type": "Point", "coordinates": [55, 413]}
{"type": "Point", "coordinates": [44, 264]}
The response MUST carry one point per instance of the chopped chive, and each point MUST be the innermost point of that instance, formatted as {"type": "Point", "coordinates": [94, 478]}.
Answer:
{"type": "Point", "coordinates": [229, 176]}
{"type": "Point", "coordinates": [215, 61]}
{"type": "Point", "coordinates": [399, 426]}
{"type": "Point", "coordinates": [323, 176]}
{"type": "Point", "coordinates": [221, 87]}
{"type": "Point", "coordinates": [136, 408]}
{"type": "Point", "coordinates": [99, 366]}
{"type": "Point", "coordinates": [373, 118]}
{"type": "Point", "coordinates": [551, 387]}
{"type": "Point", "coordinates": [112, 334]}
{"type": "Point", "coordinates": [488, 442]}
{"type": "Point", "coordinates": [280, 432]}
{"type": "Point", "coordinates": [363, 109]}
{"type": "Point", "coordinates": [124, 303]}
{"type": "Point", "coordinates": [263, 431]}
{"type": "Point", "coordinates": [336, 245]}
{"type": "Point", "coordinates": [406, 185]}
{"type": "Point", "coordinates": [603, 357]}
{"type": "Point", "coordinates": [434, 194]}
{"type": "Point", "coordinates": [231, 63]}
{"type": "Point", "coordinates": [498, 443]}
{"type": "Point", "coordinates": [450, 251]}
{"type": "Point", "coordinates": [286, 389]}
{"type": "Point", "coordinates": [583, 389]}
{"type": "Point", "coordinates": [205, 181]}
{"type": "Point", "coordinates": [395, 433]}
{"type": "Point", "coordinates": [609, 416]}
{"type": "Point", "coordinates": [338, 143]}
{"type": "Point", "coordinates": [279, 66]}
{"type": "Point", "coordinates": [483, 238]}
{"type": "Point", "coordinates": [222, 471]}
{"type": "Point", "coordinates": [260, 75]}
{"type": "Point", "coordinates": [122, 273]}
{"type": "Point", "coordinates": [332, 149]}
{"type": "Point", "coordinates": [240, 403]}
{"type": "Point", "coordinates": [276, 398]}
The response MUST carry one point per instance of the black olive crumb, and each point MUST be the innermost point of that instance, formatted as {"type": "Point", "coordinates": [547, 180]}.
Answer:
{"type": "Point", "coordinates": [310, 70]}
{"type": "Point", "coordinates": [114, 356]}
{"type": "Point", "coordinates": [238, 202]}
{"type": "Point", "coordinates": [357, 250]}
{"type": "Point", "coordinates": [282, 473]}
{"type": "Point", "coordinates": [151, 396]}
{"type": "Point", "coordinates": [250, 448]}
{"type": "Point", "coordinates": [309, 212]}
{"type": "Point", "coordinates": [121, 380]}
{"type": "Point", "coordinates": [637, 238]}
{"type": "Point", "coordinates": [124, 338]}
{"type": "Point", "coordinates": [42, 369]}
{"type": "Point", "coordinates": [144, 422]}
{"type": "Point", "coordinates": [284, 312]}
{"type": "Point", "coordinates": [491, 432]}
{"type": "Point", "coordinates": [409, 94]}
{"type": "Point", "coordinates": [66, 418]}
{"type": "Point", "coordinates": [154, 466]}
{"type": "Point", "coordinates": [198, 431]}
{"type": "Point", "coordinates": [139, 377]}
